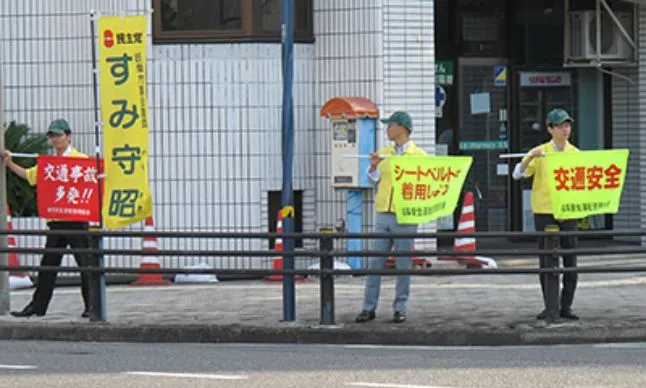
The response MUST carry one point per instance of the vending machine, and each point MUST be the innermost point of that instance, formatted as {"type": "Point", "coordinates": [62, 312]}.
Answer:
{"type": "Point", "coordinates": [353, 124]}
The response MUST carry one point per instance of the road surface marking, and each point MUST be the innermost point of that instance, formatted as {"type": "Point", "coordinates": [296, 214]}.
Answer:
{"type": "Point", "coordinates": [189, 375]}
{"type": "Point", "coordinates": [627, 345]}
{"type": "Point", "coordinates": [448, 348]}
{"type": "Point", "coordinates": [384, 385]}
{"type": "Point", "coordinates": [18, 367]}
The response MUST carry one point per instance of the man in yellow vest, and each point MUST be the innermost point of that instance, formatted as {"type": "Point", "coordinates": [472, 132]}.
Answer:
{"type": "Point", "coordinates": [399, 129]}
{"type": "Point", "coordinates": [559, 125]}
{"type": "Point", "coordinates": [60, 135]}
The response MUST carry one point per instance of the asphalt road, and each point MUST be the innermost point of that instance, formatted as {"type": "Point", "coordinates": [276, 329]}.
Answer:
{"type": "Point", "coordinates": [64, 364]}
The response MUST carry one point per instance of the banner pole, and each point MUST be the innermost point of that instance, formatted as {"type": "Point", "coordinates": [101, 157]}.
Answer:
{"type": "Point", "coordinates": [97, 242]}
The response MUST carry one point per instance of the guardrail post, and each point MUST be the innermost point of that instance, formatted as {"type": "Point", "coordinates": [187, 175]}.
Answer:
{"type": "Point", "coordinates": [96, 295]}
{"type": "Point", "coordinates": [552, 287]}
{"type": "Point", "coordinates": [327, 280]}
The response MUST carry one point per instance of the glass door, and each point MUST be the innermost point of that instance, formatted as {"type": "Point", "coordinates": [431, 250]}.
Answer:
{"type": "Point", "coordinates": [540, 92]}
{"type": "Point", "coordinates": [482, 133]}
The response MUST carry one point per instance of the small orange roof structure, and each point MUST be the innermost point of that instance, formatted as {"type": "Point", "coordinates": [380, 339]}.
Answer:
{"type": "Point", "coordinates": [349, 107]}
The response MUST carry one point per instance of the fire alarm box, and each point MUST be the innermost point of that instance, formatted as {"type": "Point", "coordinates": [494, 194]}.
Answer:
{"type": "Point", "coordinates": [353, 124]}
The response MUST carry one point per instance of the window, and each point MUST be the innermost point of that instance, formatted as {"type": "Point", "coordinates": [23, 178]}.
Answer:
{"type": "Point", "coordinates": [273, 202]}
{"type": "Point", "coordinates": [187, 21]}
{"type": "Point", "coordinates": [482, 27]}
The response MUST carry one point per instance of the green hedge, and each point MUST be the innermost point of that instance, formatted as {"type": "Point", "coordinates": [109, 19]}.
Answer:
{"type": "Point", "coordinates": [20, 195]}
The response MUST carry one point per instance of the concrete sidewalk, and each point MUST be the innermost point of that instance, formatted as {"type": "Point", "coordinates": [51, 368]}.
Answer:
{"type": "Point", "coordinates": [447, 310]}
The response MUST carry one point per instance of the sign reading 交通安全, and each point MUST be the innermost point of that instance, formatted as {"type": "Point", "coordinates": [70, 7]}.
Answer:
{"type": "Point", "coordinates": [124, 112]}
{"type": "Point", "coordinates": [427, 187]}
{"type": "Point", "coordinates": [587, 182]}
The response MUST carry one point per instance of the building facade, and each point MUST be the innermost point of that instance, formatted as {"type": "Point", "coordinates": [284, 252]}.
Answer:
{"type": "Point", "coordinates": [502, 65]}
{"type": "Point", "coordinates": [477, 76]}
{"type": "Point", "coordinates": [215, 89]}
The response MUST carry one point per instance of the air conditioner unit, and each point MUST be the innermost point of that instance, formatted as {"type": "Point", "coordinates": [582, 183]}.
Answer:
{"type": "Point", "coordinates": [583, 36]}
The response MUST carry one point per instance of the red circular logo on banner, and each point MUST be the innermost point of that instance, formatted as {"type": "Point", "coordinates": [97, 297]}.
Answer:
{"type": "Point", "coordinates": [108, 38]}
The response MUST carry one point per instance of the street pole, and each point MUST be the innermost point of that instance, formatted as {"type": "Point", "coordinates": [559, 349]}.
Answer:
{"type": "Point", "coordinates": [4, 257]}
{"type": "Point", "coordinates": [287, 197]}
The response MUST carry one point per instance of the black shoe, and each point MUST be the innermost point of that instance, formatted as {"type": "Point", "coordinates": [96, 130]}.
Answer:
{"type": "Point", "coordinates": [365, 316]}
{"type": "Point", "coordinates": [567, 314]}
{"type": "Point", "coordinates": [542, 315]}
{"type": "Point", "coordinates": [90, 314]}
{"type": "Point", "coordinates": [399, 317]}
{"type": "Point", "coordinates": [28, 311]}
{"type": "Point", "coordinates": [546, 316]}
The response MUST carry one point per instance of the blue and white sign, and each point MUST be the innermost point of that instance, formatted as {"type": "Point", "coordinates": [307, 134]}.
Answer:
{"type": "Point", "coordinates": [500, 75]}
{"type": "Point", "coordinates": [440, 100]}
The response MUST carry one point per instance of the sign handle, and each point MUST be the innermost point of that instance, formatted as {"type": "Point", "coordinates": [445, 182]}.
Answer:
{"type": "Point", "coordinates": [362, 156]}
{"type": "Point", "coordinates": [511, 156]}
{"type": "Point", "coordinates": [23, 155]}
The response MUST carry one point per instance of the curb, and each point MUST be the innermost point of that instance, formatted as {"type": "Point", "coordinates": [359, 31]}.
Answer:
{"type": "Point", "coordinates": [522, 334]}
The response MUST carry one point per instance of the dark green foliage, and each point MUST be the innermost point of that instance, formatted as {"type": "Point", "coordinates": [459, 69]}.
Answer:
{"type": "Point", "coordinates": [20, 195]}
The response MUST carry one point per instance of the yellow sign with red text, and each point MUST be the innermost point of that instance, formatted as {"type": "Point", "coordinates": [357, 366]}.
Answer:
{"type": "Point", "coordinates": [587, 182]}
{"type": "Point", "coordinates": [427, 187]}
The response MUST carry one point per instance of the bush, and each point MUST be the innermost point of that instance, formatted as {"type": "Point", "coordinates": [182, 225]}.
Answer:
{"type": "Point", "coordinates": [20, 195]}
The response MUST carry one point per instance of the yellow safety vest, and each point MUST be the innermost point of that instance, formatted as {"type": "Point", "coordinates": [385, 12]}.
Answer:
{"type": "Point", "coordinates": [384, 197]}
{"type": "Point", "coordinates": [541, 197]}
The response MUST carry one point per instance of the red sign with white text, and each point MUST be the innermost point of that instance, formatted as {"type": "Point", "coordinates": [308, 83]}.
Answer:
{"type": "Point", "coordinates": [68, 188]}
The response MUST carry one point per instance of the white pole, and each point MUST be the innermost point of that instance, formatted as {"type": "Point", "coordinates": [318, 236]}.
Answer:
{"type": "Point", "coordinates": [511, 156]}
{"type": "Point", "coordinates": [21, 155]}
{"type": "Point", "coordinates": [362, 156]}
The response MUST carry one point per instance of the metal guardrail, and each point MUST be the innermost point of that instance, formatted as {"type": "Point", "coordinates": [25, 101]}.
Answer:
{"type": "Point", "coordinates": [325, 271]}
{"type": "Point", "coordinates": [318, 235]}
{"type": "Point", "coordinates": [326, 253]}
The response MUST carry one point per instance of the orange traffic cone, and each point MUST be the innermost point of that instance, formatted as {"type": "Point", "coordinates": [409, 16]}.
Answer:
{"type": "Point", "coordinates": [418, 262]}
{"type": "Point", "coordinates": [278, 247]}
{"type": "Point", "coordinates": [150, 261]}
{"type": "Point", "coordinates": [467, 224]}
{"type": "Point", "coordinates": [16, 279]}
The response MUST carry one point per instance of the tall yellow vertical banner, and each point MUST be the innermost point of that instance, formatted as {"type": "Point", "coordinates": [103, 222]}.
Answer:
{"type": "Point", "coordinates": [124, 113]}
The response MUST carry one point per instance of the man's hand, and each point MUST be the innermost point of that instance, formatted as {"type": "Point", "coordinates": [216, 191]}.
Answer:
{"type": "Point", "coordinates": [21, 172]}
{"type": "Point", "coordinates": [375, 158]}
{"type": "Point", "coordinates": [537, 153]}
{"type": "Point", "coordinates": [6, 155]}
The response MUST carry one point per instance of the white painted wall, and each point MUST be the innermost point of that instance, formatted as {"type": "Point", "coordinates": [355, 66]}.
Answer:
{"type": "Point", "coordinates": [215, 109]}
{"type": "Point", "coordinates": [215, 127]}
{"type": "Point", "coordinates": [382, 50]}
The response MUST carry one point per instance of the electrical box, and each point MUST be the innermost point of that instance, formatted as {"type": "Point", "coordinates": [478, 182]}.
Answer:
{"type": "Point", "coordinates": [353, 124]}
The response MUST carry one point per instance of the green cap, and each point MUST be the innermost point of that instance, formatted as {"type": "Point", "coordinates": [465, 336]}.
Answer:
{"type": "Point", "coordinates": [400, 118]}
{"type": "Point", "coordinates": [557, 116]}
{"type": "Point", "coordinates": [59, 126]}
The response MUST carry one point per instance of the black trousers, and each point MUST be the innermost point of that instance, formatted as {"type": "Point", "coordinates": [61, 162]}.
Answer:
{"type": "Point", "coordinates": [47, 280]}
{"type": "Point", "coordinates": [569, 279]}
